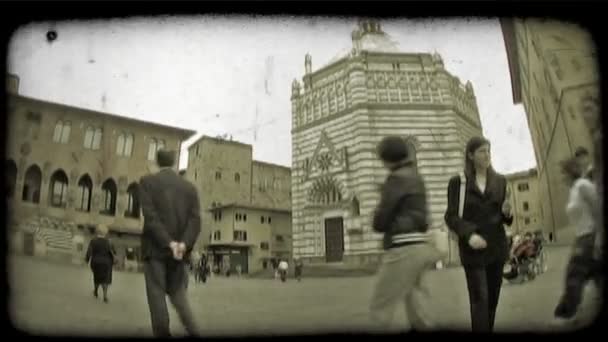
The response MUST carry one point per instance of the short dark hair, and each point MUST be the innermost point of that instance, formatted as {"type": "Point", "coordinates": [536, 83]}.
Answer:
{"type": "Point", "coordinates": [392, 149]}
{"type": "Point", "coordinates": [571, 168]}
{"type": "Point", "coordinates": [581, 151]}
{"type": "Point", "coordinates": [165, 158]}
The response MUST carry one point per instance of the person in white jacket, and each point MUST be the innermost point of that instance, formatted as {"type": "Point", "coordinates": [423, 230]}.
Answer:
{"type": "Point", "coordinates": [283, 267]}
{"type": "Point", "coordinates": [582, 209]}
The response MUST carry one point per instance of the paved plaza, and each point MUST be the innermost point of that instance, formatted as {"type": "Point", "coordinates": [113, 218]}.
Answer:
{"type": "Point", "coordinates": [50, 298]}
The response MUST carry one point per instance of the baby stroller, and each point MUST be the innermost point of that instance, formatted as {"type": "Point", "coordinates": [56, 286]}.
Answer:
{"type": "Point", "coordinates": [528, 260]}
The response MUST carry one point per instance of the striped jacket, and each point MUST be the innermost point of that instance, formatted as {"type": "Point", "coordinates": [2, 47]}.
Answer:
{"type": "Point", "coordinates": [402, 212]}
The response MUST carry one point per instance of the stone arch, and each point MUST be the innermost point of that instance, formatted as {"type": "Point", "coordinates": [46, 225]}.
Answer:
{"type": "Point", "coordinates": [325, 190]}
{"type": "Point", "coordinates": [31, 184]}
{"type": "Point", "coordinates": [133, 207]}
{"type": "Point", "coordinates": [110, 192]}
{"type": "Point", "coordinates": [58, 189]}
{"type": "Point", "coordinates": [85, 190]}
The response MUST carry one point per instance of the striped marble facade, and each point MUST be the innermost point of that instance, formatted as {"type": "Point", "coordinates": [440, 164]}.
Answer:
{"type": "Point", "coordinates": [342, 111]}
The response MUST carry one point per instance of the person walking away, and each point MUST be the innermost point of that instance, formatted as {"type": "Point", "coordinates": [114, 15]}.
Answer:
{"type": "Point", "coordinates": [582, 208]}
{"type": "Point", "coordinates": [101, 255]}
{"type": "Point", "coordinates": [283, 267]}
{"type": "Point", "coordinates": [482, 242]}
{"type": "Point", "coordinates": [172, 225]}
{"type": "Point", "coordinates": [401, 216]}
{"type": "Point", "coordinates": [298, 265]}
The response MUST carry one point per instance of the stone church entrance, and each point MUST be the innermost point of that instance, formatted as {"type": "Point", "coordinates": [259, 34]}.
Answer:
{"type": "Point", "coordinates": [334, 239]}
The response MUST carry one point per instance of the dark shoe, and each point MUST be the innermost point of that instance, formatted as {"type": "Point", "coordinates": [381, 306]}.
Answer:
{"type": "Point", "coordinates": [95, 294]}
{"type": "Point", "coordinates": [105, 300]}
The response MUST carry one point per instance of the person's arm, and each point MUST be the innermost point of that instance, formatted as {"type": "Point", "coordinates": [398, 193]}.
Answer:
{"type": "Point", "coordinates": [153, 224]}
{"type": "Point", "coordinates": [464, 229]}
{"type": "Point", "coordinates": [391, 193]}
{"type": "Point", "coordinates": [89, 253]}
{"type": "Point", "coordinates": [193, 229]}
{"type": "Point", "coordinates": [508, 220]}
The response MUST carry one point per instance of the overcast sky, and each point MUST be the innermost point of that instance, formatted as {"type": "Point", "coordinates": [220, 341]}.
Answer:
{"type": "Point", "coordinates": [210, 74]}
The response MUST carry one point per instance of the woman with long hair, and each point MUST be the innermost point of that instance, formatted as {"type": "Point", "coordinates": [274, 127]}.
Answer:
{"type": "Point", "coordinates": [482, 240]}
{"type": "Point", "coordinates": [101, 255]}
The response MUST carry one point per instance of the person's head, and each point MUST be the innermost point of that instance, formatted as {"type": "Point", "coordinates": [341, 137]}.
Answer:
{"type": "Point", "coordinates": [477, 156]}
{"type": "Point", "coordinates": [165, 158]}
{"type": "Point", "coordinates": [516, 239]}
{"type": "Point", "coordinates": [528, 236]}
{"type": "Point", "coordinates": [571, 170]}
{"type": "Point", "coordinates": [101, 230]}
{"type": "Point", "coordinates": [583, 157]}
{"type": "Point", "coordinates": [182, 173]}
{"type": "Point", "coordinates": [393, 152]}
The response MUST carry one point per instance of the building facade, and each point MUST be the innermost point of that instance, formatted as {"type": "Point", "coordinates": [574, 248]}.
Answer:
{"type": "Point", "coordinates": [524, 200]}
{"type": "Point", "coordinates": [340, 113]}
{"type": "Point", "coordinates": [555, 76]}
{"type": "Point", "coordinates": [248, 236]}
{"type": "Point", "coordinates": [245, 204]}
{"type": "Point", "coordinates": [69, 169]}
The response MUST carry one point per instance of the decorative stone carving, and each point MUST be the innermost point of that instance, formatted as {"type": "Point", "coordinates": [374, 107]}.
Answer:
{"type": "Point", "coordinates": [308, 63]}
{"type": "Point", "coordinates": [335, 158]}
{"type": "Point", "coordinates": [295, 88]}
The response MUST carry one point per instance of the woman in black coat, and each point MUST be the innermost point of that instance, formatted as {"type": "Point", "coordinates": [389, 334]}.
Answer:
{"type": "Point", "coordinates": [100, 254]}
{"type": "Point", "coordinates": [482, 239]}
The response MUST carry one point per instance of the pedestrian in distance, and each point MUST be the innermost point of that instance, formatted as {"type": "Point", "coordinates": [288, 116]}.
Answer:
{"type": "Point", "coordinates": [101, 256]}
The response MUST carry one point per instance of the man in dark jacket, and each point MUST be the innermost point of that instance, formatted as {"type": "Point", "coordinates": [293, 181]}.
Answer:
{"type": "Point", "coordinates": [172, 224]}
{"type": "Point", "coordinates": [401, 216]}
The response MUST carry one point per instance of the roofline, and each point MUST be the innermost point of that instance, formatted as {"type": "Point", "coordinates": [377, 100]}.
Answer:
{"type": "Point", "coordinates": [206, 137]}
{"type": "Point", "coordinates": [186, 133]}
{"type": "Point", "coordinates": [522, 174]}
{"type": "Point", "coordinates": [249, 206]}
{"type": "Point", "coordinates": [271, 164]}
{"type": "Point", "coordinates": [508, 32]}
{"type": "Point", "coordinates": [344, 59]}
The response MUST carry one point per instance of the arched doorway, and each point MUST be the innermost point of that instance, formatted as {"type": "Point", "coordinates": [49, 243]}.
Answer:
{"type": "Point", "coordinates": [109, 197]}
{"type": "Point", "coordinates": [85, 188]}
{"type": "Point", "coordinates": [31, 185]}
{"type": "Point", "coordinates": [132, 202]}
{"type": "Point", "coordinates": [58, 189]}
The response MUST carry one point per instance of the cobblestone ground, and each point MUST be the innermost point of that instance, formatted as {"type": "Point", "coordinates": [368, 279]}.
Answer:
{"type": "Point", "coordinates": [49, 298]}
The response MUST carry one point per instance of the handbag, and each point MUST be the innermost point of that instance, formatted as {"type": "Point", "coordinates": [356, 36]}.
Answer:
{"type": "Point", "coordinates": [461, 199]}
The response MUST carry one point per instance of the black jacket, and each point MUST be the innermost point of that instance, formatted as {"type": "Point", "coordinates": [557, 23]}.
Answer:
{"type": "Point", "coordinates": [402, 212]}
{"type": "Point", "coordinates": [482, 215]}
{"type": "Point", "coordinates": [171, 211]}
{"type": "Point", "coordinates": [100, 251]}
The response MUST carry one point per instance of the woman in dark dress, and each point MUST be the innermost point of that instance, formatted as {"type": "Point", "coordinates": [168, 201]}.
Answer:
{"type": "Point", "coordinates": [100, 254]}
{"type": "Point", "coordinates": [482, 240]}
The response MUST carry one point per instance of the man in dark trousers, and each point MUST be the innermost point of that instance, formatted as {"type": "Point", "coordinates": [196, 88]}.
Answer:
{"type": "Point", "coordinates": [172, 224]}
